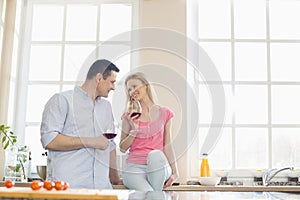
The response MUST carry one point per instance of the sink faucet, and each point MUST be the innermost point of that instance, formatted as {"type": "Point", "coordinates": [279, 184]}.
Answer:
{"type": "Point", "coordinates": [267, 175]}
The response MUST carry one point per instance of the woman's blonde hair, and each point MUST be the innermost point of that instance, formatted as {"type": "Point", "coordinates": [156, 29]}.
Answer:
{"type": "Point", "coordinates": [139, 76]}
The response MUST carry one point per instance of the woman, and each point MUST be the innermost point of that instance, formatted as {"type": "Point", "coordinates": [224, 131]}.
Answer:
{"type": "Point", "coordinates": [151, 162]}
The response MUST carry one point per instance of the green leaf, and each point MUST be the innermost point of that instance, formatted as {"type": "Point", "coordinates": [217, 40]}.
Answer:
{"type": "Point", "coordinates": [3, 139]}
{"type": "Point", "coordinates": [24, 158]}
{"type": "Point", "coordinates": [14, 140]}
{"type": "Point", "coordinates": [23, 148]}
{"type": "Point", "coordinates": [6, 145]}
{"type": "Point", "coordinates": [18, 166]}
{"type": "Point", "coordinates": [11, 132]}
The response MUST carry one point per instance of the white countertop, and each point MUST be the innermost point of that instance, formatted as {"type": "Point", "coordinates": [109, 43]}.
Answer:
{"type": "Point", "coordinates": [182, 192]}
{"type": "Point", "coordinates": [27, 193]}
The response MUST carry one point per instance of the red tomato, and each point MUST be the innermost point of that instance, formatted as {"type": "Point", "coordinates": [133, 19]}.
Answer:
{"type": "Point", "coordinates": [59, 185]}
{"type": "Point", "coordinates": [48, 185]}
{"type": "Point", "coordinates": [9, 183]}
{"type": "Point", "coordinates": [66, 185]}
{"type": "Point", "coordinates": [36, 185]}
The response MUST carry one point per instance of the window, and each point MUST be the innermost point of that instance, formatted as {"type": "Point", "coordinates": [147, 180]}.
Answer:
{"type": "Point", "coordinates": [16, 38]}
{"type": "Point", "coordinates": [59, 36]}
{"type": "Point", "coordinates": [254, 45]}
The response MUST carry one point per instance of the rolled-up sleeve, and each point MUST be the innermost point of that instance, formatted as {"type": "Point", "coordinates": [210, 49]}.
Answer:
{"type": "Point", "coordinates": [53, 119]}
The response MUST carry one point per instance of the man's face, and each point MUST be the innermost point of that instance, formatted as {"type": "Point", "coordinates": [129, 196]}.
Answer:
{"type": "Point", "coordinates": [105, 86]}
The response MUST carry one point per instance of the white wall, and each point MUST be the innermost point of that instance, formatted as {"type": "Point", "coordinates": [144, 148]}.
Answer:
{"type": "Point", "coordinates": [171, 15]}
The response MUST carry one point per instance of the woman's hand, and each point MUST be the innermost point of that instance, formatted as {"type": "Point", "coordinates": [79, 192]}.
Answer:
{"type": "Point", "coordinates": [133, 121]}
{"type": "Point", "coordinates": [171, 180]}
{"type": "Point", "coordinates": [117, 181]}
{"type": "Point", "coordinates": [120, 182]}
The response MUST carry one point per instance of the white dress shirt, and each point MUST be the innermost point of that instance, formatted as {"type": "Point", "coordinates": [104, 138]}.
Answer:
{"type": "Point", "coordinates": [73, 113]}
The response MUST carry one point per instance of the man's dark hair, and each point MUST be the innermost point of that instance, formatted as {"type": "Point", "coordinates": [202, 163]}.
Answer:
{"type": "Point", "coordinates": [103, 67]}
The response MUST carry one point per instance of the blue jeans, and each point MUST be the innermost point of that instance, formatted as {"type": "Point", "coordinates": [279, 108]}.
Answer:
{"type": "Point", "coordinates": [150, 177]}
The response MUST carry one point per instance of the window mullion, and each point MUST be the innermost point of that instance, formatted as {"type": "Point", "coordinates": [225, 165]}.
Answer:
{"type": "Point", "coordinates": [63, 44]}
{"type": "Point", "coordinates": [269, 85]}
{"type": "Point", "coordinates": [233, 84]}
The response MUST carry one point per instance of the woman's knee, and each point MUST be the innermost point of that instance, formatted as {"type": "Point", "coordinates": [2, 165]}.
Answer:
{"type": "Point", "coordinates": [156, 160]}
{"type": "Point", "coordinates": [156, 155]}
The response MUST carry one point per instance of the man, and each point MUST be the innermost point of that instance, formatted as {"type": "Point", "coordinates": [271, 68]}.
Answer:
{"type": "Point", "coordinates": [72, 130]}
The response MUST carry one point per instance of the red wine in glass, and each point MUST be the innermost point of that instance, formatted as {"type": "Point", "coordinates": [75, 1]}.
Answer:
{"type": "Point", "coordinates": [110, 135]}
{"type": "Point", "coordinates": [138, 114]}
{"type": "Point", "coordinates": [134, 107]}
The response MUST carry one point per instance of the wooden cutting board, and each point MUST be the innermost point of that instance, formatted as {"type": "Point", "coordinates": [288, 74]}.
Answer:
{"type": "Point", "coordinates": [25, 192]}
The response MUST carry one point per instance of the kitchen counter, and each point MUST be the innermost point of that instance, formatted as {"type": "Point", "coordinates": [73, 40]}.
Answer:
{"type": "Point", "coordinates": [27, 193]}
{"type": "Point", "coordinates": [294, 189]}
{"type": "Point", "coordinates": [231, 195]}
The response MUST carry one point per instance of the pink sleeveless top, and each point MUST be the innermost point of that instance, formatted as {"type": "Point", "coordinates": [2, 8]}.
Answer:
{"type": "Point", "coordinates": [150, 137]}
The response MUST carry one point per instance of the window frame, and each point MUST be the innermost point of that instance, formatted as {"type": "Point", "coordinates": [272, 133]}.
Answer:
{"type": "Point", "coordinates": [192, 32]}
{"type": "Point", "coordinates": [19, 119]}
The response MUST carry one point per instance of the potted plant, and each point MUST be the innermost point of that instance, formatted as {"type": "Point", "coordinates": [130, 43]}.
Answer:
{"type": "Point", "coordinates": [16, 162]}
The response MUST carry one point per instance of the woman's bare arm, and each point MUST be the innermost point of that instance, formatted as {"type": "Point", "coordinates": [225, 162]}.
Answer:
{"type": "Point", "coordinates": [127, 136]}
{"type": "Point", "coordinates": [169, 152]}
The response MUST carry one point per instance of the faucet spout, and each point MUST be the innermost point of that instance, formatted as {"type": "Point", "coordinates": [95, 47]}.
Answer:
{"type": "Point", "coordinates": [267, 177]}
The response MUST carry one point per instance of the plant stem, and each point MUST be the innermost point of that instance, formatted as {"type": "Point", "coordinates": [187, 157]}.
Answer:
{"type": "Point", "coordinates": [22, 166]}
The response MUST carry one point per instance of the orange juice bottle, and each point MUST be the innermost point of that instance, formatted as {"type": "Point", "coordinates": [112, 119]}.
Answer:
{"type": "Point", "coordinates": [204, 171]}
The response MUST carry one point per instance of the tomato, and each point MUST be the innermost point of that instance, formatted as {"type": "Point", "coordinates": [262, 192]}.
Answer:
{"type": "Point", "coordinates": [48, 185]}
{"type": "Point", "coordinates": [36, 185]}
{"type": "Point", "coordinates": [66, 185]}
{"type": "Point", "coordinates": [9, 183]}
{"type": "Point", "coordinates": [59, 185]}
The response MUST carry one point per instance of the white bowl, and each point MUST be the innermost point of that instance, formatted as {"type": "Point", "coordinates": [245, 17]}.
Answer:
{"type": "Point", "coordinates": [222, 173]}
{"type": "Point", "coordinates": [258, 173]}
{"type": "Point", "coordinates": [293, 173]}
{"type": "Point", "coordinates": [210, 181]}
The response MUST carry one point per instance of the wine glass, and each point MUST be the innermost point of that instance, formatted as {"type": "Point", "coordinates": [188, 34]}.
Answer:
{"type": "Point", "coordinates": [134, 107]}
{"type": "Point", "coordinates": [110, 132]}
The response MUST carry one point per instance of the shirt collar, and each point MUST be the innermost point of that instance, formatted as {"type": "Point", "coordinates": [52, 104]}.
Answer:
{"type": "Point", "coordinates": [80, 90]}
